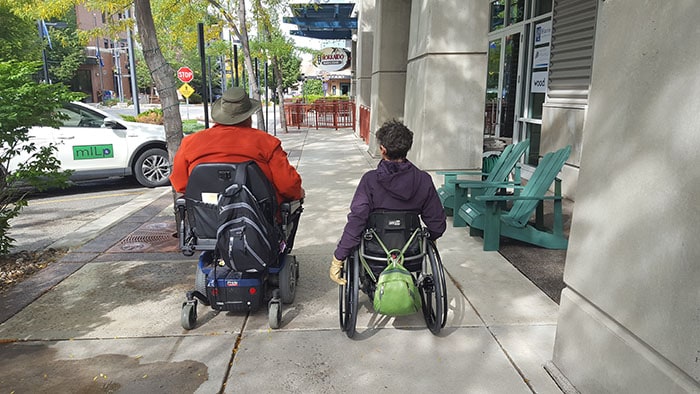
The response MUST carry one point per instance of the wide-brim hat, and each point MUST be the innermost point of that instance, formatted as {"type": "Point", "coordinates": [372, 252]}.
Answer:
{"type": "Point", "coordinates": [233, 107]}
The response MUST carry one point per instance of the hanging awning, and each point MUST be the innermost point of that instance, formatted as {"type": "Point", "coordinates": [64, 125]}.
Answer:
{"type": "Point", "coordinates": [323, 21]}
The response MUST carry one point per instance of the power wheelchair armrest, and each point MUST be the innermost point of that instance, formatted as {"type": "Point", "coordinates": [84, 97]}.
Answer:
{"type": "Point", "coordinates": [183, 239]}
{"type": "Point", "coordinates": [290, 212]}
{"type": "Point", "coordinates": [290, 209]}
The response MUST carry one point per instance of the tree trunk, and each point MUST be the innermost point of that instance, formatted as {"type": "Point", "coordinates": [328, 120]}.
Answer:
{"type": "Point", "coordinates": [162, 74]}
{"type": "Point", "coordinates": [280, 92]}
{"type": "Point", "coordinates": [164, 78]}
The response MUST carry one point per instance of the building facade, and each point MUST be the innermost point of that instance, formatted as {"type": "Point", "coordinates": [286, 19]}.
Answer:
{"type": "Point", "coordinates": [105, 74]}
{"type": "Point", "coordinates": [611, 79]}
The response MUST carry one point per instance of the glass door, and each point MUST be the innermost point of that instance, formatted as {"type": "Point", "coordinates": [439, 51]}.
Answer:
{"type": "Point", "coordinates": [516, 81]}
{"type": "Point", "coordinates": [502, 85]}
{"type": "Point", "coordinates": [503, 72]}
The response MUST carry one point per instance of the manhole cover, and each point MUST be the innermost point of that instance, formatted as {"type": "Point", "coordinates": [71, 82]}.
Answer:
{"type": "Point", "coordinates": [149, 237]}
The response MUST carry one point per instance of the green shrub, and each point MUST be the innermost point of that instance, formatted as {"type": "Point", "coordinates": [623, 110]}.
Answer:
{"type": "Point", "coordinates": [191, 126]}
{"type": "Point", "coordinates": [111, 102]}
{"type": "Point", "coordinates": [152, 116]}
{"type": "Point", "coordinates": [26, 104]}
{"type": "Point", "coordinates": [195, 98]}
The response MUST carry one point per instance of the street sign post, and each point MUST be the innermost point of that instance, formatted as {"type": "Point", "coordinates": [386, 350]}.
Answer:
{"type": "Point", "coordinates": [185, 74]}
{"type": "Point", "coordinates": [186, 90]}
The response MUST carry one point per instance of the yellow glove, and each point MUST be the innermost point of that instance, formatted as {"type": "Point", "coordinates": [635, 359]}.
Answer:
{"type": "Point", "coordinates": [336, 267]}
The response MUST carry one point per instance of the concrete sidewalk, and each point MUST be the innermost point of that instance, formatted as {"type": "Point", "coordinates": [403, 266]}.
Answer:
{"type": "Point", "coordinates": [109, 317]}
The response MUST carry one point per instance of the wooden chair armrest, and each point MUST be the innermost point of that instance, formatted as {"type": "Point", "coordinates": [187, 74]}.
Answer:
{"type": "Point", "coordinates": [459, 172]}
{"type": "Point", "coordinates": [486, 184]}
{"type": "Point", "coordinates": [515, 198]}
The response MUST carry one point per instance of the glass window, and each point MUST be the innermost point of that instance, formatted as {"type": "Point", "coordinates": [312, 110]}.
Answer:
{"type": "Point", "coordinates": [497, 13]}
{"type": "Point", "coordinates": [542, 7]}
{"type": "Point", "coordinates": [533, 132]}
{"type": "Point", "coordinates": [516, 11]}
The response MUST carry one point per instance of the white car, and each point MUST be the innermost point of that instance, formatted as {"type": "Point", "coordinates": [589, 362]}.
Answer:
{"type": "Point", "coordinates": [94, 145]}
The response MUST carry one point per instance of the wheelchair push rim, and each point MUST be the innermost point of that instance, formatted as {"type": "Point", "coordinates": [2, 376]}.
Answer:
{"type": "Point", "coordinates": [433, 291]}
{"type": "Point", "coordinates": [348, 296]}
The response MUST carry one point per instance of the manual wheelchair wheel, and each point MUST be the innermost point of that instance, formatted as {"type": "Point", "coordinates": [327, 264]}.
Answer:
{"type": "Point", "coordinates": [349, 295]}
{"type": "Point", "coordinates": [433, 290]}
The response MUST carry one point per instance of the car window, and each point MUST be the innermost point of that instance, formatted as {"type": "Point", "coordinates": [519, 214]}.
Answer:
{"type": "Point", "coordinates": [78, 117]}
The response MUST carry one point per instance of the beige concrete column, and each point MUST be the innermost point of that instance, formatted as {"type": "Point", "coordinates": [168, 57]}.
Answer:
{"type": "Point", "coordinates": [389, 63]}
{"type": "Point", "coordinates": [363, 56]}
{"type": "Point", "coordinates": [630, 316]}
{"type": "Point", "coordinates": [446, 81]}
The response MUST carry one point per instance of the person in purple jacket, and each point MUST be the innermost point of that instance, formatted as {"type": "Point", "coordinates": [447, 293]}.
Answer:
{"type": "Point", "coordinates": [395, 185]}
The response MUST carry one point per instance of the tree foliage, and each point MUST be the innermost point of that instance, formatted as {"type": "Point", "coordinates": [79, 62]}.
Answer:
{"type": "Point", "coordinates": [26, 103]}
{"type": "Point", "coordinates": [67, 51]}
{"type": "Point", "coordinates": [20, 37]}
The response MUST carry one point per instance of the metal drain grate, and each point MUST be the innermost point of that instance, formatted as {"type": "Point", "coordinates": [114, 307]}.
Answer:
{"type": "Point", "coordinates": [151, 237]}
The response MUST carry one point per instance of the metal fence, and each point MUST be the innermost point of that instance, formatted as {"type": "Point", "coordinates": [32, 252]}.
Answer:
{"type": "Point", "coordinates": [364, 123]}
{"type": "Point", "coordinates": [322, 113]}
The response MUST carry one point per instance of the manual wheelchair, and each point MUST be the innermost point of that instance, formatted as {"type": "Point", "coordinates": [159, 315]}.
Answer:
{"type": "Point", "coordinates": [421, 258]}
{"type": "Point", "coordinates": [218, 284]}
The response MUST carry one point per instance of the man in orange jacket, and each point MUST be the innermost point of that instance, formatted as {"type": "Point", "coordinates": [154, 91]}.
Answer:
{"type": "Point", "coordinates": [233, 140]}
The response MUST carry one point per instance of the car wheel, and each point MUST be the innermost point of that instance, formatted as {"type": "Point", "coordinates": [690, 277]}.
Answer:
{"type": "Point", "coordinates": [152, 168]}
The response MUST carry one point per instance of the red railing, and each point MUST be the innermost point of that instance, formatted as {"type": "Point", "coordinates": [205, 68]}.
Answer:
{"type": "Point", "coordinates": [321, 114]}
{"type": "Point", "coordinates": [364, 123]}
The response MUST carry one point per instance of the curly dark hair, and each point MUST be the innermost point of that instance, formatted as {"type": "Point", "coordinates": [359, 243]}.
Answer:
{"type": "Point", "coordinates": [396, 138]}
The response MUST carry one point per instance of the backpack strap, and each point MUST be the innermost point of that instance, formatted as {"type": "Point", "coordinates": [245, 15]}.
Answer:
{"type": "Point", "coordinates": [393, 256]}
{"type": "Point", "coordinates": [239, 180]}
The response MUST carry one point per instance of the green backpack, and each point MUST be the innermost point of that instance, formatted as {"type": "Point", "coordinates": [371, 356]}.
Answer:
{"type": "Point", "coordinates": [396, 293]}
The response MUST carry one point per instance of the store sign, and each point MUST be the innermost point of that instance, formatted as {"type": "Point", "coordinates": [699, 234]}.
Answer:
{"type": "Point", "coordinates": [333, 59]}
{"type": "Point", "coordinates": [538, 83]}
{"type": "Point", "coordinates": [543, 33]}
{"type": "Point", "coordinates": [541, 58]}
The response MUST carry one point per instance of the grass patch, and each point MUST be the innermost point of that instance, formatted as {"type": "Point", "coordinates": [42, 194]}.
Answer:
{"type": "Point", "coordinates": [191, 126]}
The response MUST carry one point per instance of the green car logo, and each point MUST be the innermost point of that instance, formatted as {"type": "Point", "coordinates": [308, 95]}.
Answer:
{"type": "Point", "coordinates": [85, 152]}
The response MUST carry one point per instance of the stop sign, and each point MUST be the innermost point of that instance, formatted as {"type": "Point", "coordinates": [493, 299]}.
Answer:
{"type": "Point", "coordinates": [185, 74]}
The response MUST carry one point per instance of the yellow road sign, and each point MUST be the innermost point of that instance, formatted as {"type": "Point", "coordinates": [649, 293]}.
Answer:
{"type": "Point", "coordinates": [186, 90]}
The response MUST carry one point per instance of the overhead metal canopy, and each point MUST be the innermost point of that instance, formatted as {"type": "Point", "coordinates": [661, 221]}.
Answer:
{"type": "Point", "coordinates": [323, 21]}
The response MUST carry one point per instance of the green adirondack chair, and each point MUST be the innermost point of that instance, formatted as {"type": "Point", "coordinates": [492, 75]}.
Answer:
{"type": "Point", "coordinates": [486, 217]}
{"type": "Point", "coordinates": [454, 192]}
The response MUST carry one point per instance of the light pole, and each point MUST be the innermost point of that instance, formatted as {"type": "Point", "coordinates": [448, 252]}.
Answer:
{"type": "Point", "coordinates": [44, 32]}
{"type": "Point", "coordinates": [132, 68]}
{"type": "Point", "coordinates": [100, 64]}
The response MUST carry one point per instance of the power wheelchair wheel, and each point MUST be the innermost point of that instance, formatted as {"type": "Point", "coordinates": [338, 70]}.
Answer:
{"type": "Point", "coordinates": [288, 276]}
{"type": "Point", "coordinates": [274, 311]}
{"type": "Point", "coordinates": [188, 316]}
{"type": "Point", "coordinates": [433, 290]}
{"type": "Point", "coordinates": [349, 295]}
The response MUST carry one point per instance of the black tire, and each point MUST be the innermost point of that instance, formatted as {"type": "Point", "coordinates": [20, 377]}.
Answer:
{"type": "Point", "coordinates": [152, 168]}
{"type": "Point", "coordinates": [288, 280]}
{"type": "Point", "coordinates": [188, 317]}
{"type": "Point", "coordinates": [349, 295]}
{"type": "Point", "coordinates": [433, 291]}
{"type": "Point", "coordinates": [274, 314]}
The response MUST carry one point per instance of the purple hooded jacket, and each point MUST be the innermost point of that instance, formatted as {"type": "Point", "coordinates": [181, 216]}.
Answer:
{"type": "Point", "coordinates": [396, 186]}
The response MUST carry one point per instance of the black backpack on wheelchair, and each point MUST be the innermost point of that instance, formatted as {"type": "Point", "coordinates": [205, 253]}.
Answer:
{"type": "Point", "coordinates": [229, 212]}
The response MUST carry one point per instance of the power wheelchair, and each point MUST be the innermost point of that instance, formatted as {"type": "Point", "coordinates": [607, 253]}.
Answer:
{"type": "Point", "coordinates": [219, 284]}
{"type": "Point", "coordinates": [394, 229]}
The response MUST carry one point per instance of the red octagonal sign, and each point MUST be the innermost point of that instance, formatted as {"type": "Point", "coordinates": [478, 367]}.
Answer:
{"type": "Point", "coordinates": [185, 74]}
